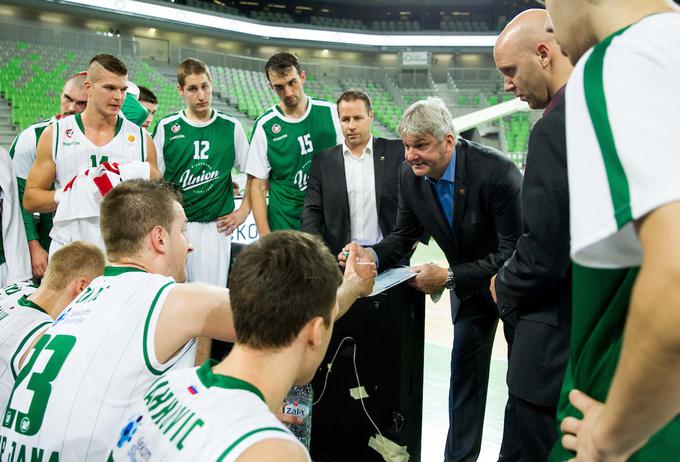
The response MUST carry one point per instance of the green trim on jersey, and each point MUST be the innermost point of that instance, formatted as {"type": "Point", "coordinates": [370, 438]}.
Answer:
{"type": "Point", "coordinates": [79, 121]}
{"type": "Point", "coordinates": [3, 259]}
{"type": "Point", "coordinates": [118, 270]}
{"type": "Point", "coordinates": [593, 82]}
{"type": "Point", "coordinates": [33, 232]}
{"type": "Point", "coordinates": [145, 337]}
{"type": "Point", "coordinates": [247, 435]}
{"type": "Point", "coordinates": [26, 303]}
{"type": "Point", "coordinates": [142, 137]}
{"type": "Point", "coordinates": [26, 338]}
{"type": "Point", "coordinates": [210, 379]}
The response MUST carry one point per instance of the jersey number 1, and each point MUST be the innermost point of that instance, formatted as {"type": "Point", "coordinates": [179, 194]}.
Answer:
{"type": "Point", "coordinates": [53, 351]}
{"type": "Point", "coordinates": [93, 160]}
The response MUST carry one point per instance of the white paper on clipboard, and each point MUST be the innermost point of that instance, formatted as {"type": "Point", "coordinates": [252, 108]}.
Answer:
{"type": "Point", "coordinates": [391, 278]}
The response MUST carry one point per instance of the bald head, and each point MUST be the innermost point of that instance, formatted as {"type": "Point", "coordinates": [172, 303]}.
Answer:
{"type": "Point", "coordinates": [524, 32]}
{"type": "Point", "coordinates": [531, 61]}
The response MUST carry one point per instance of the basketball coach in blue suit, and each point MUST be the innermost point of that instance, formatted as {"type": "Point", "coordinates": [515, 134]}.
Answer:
{"type": "Point", "coordinates": [467, 197]}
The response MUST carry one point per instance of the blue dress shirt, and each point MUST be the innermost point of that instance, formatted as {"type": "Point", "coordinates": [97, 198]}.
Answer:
{"type": "Point", "coordinates": [444, 188]}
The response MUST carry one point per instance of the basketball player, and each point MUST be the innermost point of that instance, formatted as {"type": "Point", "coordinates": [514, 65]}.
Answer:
{"type": "Point", "coordinates": [285, 139]}
{"type": "Point", "coordinates": [85, 140]}
{"type": "Point", "coordinates": [197, 148]}
{"type": "Point", "coordinates": [148, 99]}
{"type": "Point", "coordinates": [27, 310]}
{"type": "Point", "coordinates": [130, 326]}
{"type": "Point", "coordinates": [283, 325]}
{"type": "Point", "coordinates": [23, 151]}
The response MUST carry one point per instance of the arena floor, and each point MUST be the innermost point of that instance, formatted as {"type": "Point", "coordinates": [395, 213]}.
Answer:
{"type": "Point", "coordinates": [438, 341]}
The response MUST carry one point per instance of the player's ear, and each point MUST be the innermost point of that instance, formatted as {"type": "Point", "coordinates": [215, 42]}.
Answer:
{"type": "Point", "coordinates": [158, 238]}
{"type": "Point", "coordinates": [80, 284]}
{"type": "Point", "coordinates": [314, 331]}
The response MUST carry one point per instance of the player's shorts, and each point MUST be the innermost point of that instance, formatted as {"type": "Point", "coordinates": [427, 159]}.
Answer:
{"type": "Point", "coordinates": [209, 262]}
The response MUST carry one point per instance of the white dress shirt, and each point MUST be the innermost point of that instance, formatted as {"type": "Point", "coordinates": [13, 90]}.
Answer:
{"type": "Point", "coordinates": [363, 212]}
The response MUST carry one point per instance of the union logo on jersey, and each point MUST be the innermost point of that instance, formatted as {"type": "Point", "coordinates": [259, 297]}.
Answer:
{"type": "Point", "coordinates": [276, 128]}
{"type": "Point", "coordinates": [69, 133]}
{"type": "Point", "coordinates": [131, 138]}
{"type": "Point", "coordinates": [175, 128]}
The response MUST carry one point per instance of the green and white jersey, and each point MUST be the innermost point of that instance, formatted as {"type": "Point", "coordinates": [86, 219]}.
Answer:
{"type": "Point", "coordinates": [198, 158]}
{"type": "Point", "coordinates": [195, 414]}
{"type": "Point", "coordinates": [82, 375]}
{"type": "Point", "coordinates": [282, 149]}
{"type": "Point", "coordinates": [23, 152]}
{"type": "Point", "coordinates": [73, 152]}
{"type": "Point", "coordinates": [21, 321]}
{"type": "Point", "coordinates": [623, 155]}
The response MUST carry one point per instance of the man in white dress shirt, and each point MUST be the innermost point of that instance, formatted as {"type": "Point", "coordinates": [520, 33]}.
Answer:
{"type": "Point", "coordinates": [352, 187]}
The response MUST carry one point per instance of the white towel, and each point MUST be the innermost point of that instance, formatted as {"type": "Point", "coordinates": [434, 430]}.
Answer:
{"type": "Point", "coordinates": [77, 215]}
{"type": "Point", "coordinates": [17, 257]}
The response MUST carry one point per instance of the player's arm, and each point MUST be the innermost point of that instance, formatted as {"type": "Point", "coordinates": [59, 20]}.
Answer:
{"type": "Point", "coordinates": [190, 311]}
{"type": "Point", "coordinates": [38, 197]}
{"type": "Point", "coordinates": [274, 449]}
{"type": "Point", "coordinates": [22, 155]}
{"type": "Point", "coordinates": [258, 169]}
{"type": "Point", "coordinates": [257, 191]}
{"type": "Point", "coordinates": [228, 223]}
{"type": "Point", "coordinates": [154, 173]}
{"type": "Point", "coordinates": [358, 280]}
{"type": "Point", "coordinates": [645, 391]}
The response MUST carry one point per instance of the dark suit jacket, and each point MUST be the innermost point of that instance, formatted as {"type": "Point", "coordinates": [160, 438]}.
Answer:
{"type": "Point", "coordinates": [326, 209]}
{"type": "Point", "coordinates": [486, 219]}
{"type": "Point", "coordinates": [535, 285]}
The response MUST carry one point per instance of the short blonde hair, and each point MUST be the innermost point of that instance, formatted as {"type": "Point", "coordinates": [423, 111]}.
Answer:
{"type": "Point", "coordinates": [72, 261]}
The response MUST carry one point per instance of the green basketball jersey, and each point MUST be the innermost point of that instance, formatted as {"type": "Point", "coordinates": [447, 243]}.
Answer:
{"type": "Point", "coordinates": [198, 158]}
{"type": "Point", "coordinates": [282, 149]}
{"type": "Point", "coordinates": [613, 184]}
{"type": "Point", "coordinates": [23, 152]}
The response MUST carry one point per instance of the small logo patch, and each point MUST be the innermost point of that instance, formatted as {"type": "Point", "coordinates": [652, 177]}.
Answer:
{"type": "Point", "coordinates": [192, 389]}
{"type": "Point", "coordinates": [129, 431]}
{"type": "Point", "coordinates": [69, 133]}
{"type": "Point", "coordinates": [276, 128]}
{"type": "Point", "coordinates": [131, 138]}
{"type": "Point", "coordinates": [175, 128]}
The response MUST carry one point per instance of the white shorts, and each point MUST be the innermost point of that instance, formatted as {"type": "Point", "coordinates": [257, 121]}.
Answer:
{"type": "Point", "coordinates": [209, 262]}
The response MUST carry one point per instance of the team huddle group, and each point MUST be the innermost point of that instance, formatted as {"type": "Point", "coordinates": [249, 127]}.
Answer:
{"type": "Point", "coordinates": [133, 252]}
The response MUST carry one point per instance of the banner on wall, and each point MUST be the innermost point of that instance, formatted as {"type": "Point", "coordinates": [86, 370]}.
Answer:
{"type": "Point", "coordinates": [415, 58]}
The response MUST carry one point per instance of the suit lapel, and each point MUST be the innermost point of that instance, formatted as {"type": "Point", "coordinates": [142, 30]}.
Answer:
{"type": "Point", "coordinates": [338, 171]}
{"type": "Point", "coordinates": [378, 171]}
{"type": "Point", "coordinates": [460, 187]}
{"type": "Point", "coordinates": [433, 204]}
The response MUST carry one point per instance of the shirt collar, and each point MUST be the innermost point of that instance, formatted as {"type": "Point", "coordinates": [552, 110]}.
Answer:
{"type": "Point", "coordinates": [450, 172]}
{"type": "Point", "coordinates": [367, 150]}
{"type": "Point", "coordinates": [554, 100]}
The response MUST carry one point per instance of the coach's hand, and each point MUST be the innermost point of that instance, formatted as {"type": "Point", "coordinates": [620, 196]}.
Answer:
{"type": "Point", "coordinates": [228, 223]}
{"type": "Point", "coordinates": [430, 278]}
{"type": "Point", "coordinates": [360, 270]}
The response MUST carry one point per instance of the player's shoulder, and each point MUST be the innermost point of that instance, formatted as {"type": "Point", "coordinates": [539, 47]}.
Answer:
{"type": "Point", "coordinates": [226, 117]}
{"type": "Point", "coordinates": [321, 103]}
{"type": "Point", "coordinates": [172, 117]}
{"type": "Point", "coordinates": [266, 116]}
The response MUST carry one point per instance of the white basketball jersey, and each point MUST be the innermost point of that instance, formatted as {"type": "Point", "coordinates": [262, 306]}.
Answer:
{"type": "Point", "coordinates": [20, 322]}
{"type": "Point", "coordinates": [85, 371]}
{"type": "Point", "coordinates": [73, 152]}
{"type": "Point", "coordinates": [194, 414]}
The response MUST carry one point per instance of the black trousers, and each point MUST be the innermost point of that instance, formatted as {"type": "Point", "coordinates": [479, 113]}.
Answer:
{"type": "Point", "coordinates": [536, 428]}
{"type": "Point", "coordinates": [473, 336]}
